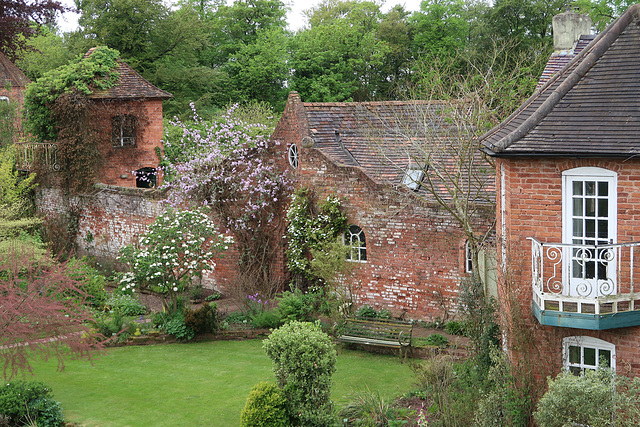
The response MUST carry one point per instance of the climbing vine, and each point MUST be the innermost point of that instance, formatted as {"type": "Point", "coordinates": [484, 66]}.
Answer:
{"type": "Point", "coordinates": [61, 110]}
{"type": "Point", "coordinates": [83, 76]}
{"type": "Point", "coordinates": [310, 228]}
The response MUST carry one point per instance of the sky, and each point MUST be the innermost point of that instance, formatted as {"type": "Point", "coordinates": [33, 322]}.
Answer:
{"type": "Point", "coordinates": [296, 20]}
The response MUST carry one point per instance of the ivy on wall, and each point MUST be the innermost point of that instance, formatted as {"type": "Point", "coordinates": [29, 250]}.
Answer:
{"type": "Point", "coordinates": [60, 110]}
{"type": "Point", "coordinates": [310, 228]}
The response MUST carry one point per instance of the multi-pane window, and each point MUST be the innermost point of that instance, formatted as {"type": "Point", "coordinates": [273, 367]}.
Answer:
{"type": "Point", "coordinates": [123, 130]}
{"type": "Point", "coordinates": [590, 223]}
{"type": "Point", "coordinates": [587, 353]}
{"type": "Point", "coordinates": [293, 156]}
{"type": "Point", "coordinates": [354, 236]}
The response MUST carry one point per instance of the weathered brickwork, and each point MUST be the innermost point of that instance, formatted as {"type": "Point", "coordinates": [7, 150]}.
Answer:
{"type": "Point", "coordinates": [113, 217]}
{"type": "Point", "coordinates": [121, 162]}
{"type": "Point", "coordinates": [415, 254]}
{"type": "Point", "coordinates": [533, 208]}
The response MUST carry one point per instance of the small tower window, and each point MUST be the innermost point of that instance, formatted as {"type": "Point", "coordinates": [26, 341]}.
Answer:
{"type": "Point", "coordinates": [123, 130]}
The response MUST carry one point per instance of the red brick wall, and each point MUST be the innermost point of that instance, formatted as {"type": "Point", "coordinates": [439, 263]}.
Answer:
{"type": "Point", "coordinates": [16, 97]}
{"type": "Point", "coordinates": [115, 217]}
{"type": "Point", "coordinates": [415, 255]}
{"type": "Point", "coordinates": [533, 208]}
{"type": "Point", "coordinates": [120, 162]}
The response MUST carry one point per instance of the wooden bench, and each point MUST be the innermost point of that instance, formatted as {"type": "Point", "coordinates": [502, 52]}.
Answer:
{"type": "Point", "coordinates": [377, 332]}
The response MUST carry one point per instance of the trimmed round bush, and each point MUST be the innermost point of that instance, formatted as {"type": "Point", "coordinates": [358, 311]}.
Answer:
{"type": "Point", "coordinates": [266, 407]}
{"type": "Point", "coordinates": [304, 359]}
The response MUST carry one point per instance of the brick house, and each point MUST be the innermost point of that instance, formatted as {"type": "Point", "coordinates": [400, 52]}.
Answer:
{"type": "Point", "coordinates": [568, 217]}
{"type": "Point", "coordinates": [411, 254]}
{"type": "Point", "coordinates": [12, 85]}
{"type": "Point", "coordinates": [131, 113]}
{"type": "Point", "coordinates": [121, 205]}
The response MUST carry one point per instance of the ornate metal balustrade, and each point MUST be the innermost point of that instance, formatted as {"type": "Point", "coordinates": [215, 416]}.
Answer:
{"type": "Point", "coordinates": [29, 153]}
{"type": "Point", "coordinates": [585, 286]}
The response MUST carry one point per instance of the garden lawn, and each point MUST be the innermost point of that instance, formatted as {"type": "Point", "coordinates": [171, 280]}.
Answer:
{"type": "Point", "coordinates": [197, 384]}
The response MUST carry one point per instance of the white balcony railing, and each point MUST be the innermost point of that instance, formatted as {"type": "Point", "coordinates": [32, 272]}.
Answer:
{"type": "Point", "coordinates": [28, 153]}
{"type": "Point", "coordinates": [585, 279]}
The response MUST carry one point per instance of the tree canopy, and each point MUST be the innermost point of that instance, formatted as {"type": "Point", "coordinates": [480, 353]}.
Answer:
{"type": "Point", "coordinates": [211, 53]}
{"type": "Point", "coordinates": [21, 19]}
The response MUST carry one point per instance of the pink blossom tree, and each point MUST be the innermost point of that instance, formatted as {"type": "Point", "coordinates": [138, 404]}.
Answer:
{"type": "Point", "coordinates": [230, 166]}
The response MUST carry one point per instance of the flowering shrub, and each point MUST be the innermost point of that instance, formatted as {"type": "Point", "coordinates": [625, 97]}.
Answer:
{"type": "Point", "coordinates": [228, 166]}
{"type": "Point", "coordinates": [179, 246]}
{"type": "Point", "coordinates": [307, 232]}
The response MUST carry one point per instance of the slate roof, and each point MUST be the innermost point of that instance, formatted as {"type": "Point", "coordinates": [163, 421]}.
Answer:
{"type": "Point", "coordinates": [130, 85]}
{"type": "Point", "coordinates": [10, 75]}
{"type": "Point", "coordinates": [589, 109]}
{"type": "Point", "coordinates": [385, 138]}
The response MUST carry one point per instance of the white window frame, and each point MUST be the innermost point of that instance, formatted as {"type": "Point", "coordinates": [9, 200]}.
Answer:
{"type": "Point", "coordinates": [573, 286]}
{"type": "Point", "coordinates": [590, 343]}
{"type": "Point", "coordinates": [292, 155]}
{"type": "Point", "coordinates": [355, 237]}
{"type": "Point", "coordinates": [5, 99]}
{"type": "Point", "coordinates": [468, 258]}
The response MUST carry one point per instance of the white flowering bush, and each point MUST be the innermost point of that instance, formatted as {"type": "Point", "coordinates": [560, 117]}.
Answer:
{"type": "Point", "coordinates": [180, 246]}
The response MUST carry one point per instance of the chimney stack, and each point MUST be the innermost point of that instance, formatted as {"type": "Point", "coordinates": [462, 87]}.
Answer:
{"type": "Point", "coordinates": [567, 29]}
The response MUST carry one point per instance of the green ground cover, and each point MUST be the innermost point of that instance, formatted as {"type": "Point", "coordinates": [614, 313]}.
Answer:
{"type": "Point", "coordinates": [194, 384]}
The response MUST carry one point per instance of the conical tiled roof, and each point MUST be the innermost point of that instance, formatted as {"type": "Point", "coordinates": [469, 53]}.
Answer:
{"type": "Point", "coordinates": [590, 109]}
{"type": "Point", "coordinates": [130, 85]}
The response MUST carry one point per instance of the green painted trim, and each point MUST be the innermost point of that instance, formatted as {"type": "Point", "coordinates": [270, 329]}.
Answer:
{"type": "Point", "coordinates": [594, 322]}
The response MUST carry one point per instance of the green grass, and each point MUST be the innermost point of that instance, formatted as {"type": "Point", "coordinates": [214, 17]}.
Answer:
{"type": "Point", "coordinates": [199, 384]}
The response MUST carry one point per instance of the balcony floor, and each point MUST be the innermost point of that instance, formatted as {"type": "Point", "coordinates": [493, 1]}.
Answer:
{"type": "Point", "coordinates": [594, 322]}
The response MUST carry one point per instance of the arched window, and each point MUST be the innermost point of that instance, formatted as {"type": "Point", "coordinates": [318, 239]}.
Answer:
{"type": "Point", "coordinates": [123, 130]}
{"type": "Point", "coordinates": [293, 156]}
{"type": "Point", "coordinates": [4, 99]}
{"type": "Point", "coordinates": [354, 236]}
{"type": "Point", "coordinates": [582, 352]}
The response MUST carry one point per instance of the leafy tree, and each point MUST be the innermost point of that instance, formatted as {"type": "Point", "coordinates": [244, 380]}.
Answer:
{"type": "Point", "coordinates": [21, 19]}
{"type": "Point", "coordinates": [232, 27]}
{"type": "Point", "coordinates": [396, 31]}
{"type": "Point", "coordinates": [259, 70]}
{"type": "Point", "coordinates": [523, 22]}
{"type": "Point", "coordinates": [338, 57]}
{"type": "Point", "coordinates": [440, 27]}
{"type": "Point", "coordinates": [143, 31]}
{"type": "Point", "coordinates": [42, 53]}
{"type": "Point", "coordinates": [603, 12]}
